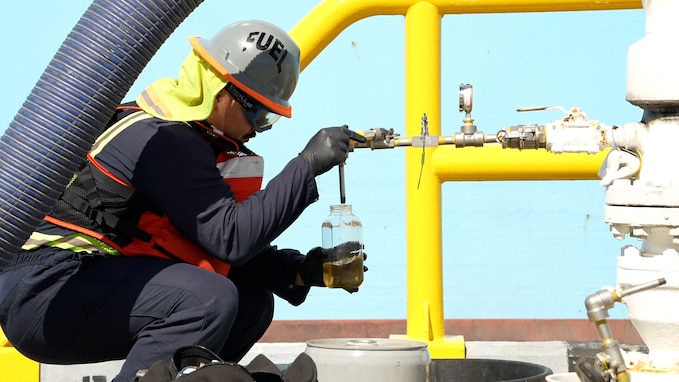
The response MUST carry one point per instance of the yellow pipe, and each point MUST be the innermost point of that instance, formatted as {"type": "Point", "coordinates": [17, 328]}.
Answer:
{"type": "Point", "coordinates": [14, 366]}
{"type": "Point", "coordinates": [495, 163]}
{"type": "Point", "coordinates": [330, 17]}
{"type": "Point", "coordinates": [423, 215]}
{"type": "Point", "coordinates": [423, 87]}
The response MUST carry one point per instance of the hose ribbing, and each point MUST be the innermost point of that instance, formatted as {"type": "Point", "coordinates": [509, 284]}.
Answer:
{"type": "Point", "coordinates": [71, 103]}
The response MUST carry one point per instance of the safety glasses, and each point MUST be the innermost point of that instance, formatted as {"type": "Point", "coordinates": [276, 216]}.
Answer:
{"type": "Point", "coordinates": [259, 115]}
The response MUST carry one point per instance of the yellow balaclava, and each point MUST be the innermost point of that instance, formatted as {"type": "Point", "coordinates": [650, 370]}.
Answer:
{"type": "Point", "coordinates": [191, 97]}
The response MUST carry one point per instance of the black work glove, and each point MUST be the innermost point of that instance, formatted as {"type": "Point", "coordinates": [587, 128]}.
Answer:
{"type": "Point", "coordinates": [311, 268]}
{"type": "Point", "coordinates": [329, 147]}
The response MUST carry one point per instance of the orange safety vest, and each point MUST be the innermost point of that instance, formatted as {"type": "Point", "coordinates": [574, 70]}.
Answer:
{"type": "Point", "coordinates": [152, 234]}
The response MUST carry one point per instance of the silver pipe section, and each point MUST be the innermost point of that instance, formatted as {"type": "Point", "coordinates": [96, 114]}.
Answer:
{"type": "Point", "coordinates": [71, 103]}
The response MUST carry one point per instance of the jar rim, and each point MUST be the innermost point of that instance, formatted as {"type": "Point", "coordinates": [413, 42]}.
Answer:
{"type": "Point", "coordinates": [340, 206]}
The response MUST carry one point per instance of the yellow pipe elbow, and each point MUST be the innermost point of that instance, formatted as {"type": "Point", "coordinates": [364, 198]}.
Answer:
{"type": "Point", "coordinates": [330, 17]}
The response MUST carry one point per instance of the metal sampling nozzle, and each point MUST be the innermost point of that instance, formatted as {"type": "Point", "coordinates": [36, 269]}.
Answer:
{"type": "Point", "coordinates": [343, 192]}
{"type": "Point", "coordinates": [649, 285]}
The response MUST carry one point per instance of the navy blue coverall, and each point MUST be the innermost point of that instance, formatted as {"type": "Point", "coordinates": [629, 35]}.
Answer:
{"type": "Point", "coordinates": [63, 306]}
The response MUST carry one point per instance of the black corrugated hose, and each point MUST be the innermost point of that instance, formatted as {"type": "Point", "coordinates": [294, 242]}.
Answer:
{"type": "Point", "coordinates": [71, 103]}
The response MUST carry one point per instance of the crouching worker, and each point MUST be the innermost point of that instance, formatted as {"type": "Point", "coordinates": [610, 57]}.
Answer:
{"type": "Point", "coordinates": [163, 239]}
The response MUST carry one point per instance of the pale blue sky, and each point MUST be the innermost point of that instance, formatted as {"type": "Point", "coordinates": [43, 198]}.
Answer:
{"type": "Point", "coordinates": [511, 249]}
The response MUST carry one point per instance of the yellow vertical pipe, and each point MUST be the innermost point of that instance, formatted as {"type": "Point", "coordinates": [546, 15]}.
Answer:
{"type": "Point", "coordinates": [424, 250]}
{"type": "Point", "coordinates": [423, 212]}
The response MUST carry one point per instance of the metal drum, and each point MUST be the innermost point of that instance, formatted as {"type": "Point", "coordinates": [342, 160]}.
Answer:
{"type": "Point", "coordinates": [369, 360]}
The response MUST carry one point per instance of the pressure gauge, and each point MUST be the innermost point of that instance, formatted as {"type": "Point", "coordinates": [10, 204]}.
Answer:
{"type": "Point", "coordinates": [466, 98]}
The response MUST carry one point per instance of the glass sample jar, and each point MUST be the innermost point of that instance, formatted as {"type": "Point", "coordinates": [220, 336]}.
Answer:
{"type": "Point", "coordinates": [342, 234]}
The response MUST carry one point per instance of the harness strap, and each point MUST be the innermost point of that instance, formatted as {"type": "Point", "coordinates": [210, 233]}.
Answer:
{"type": "Point", "coordinates": [92, 202]}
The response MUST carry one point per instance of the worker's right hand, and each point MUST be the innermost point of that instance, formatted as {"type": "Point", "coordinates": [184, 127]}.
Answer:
{"type": "Point", "coordinates": [329, 147]}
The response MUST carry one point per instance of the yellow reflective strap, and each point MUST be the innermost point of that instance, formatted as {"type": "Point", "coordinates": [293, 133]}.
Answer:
{"type": "Point", "coordinates": [77, 242]}
{"type": "Point", "coordinates": [114, 130]}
